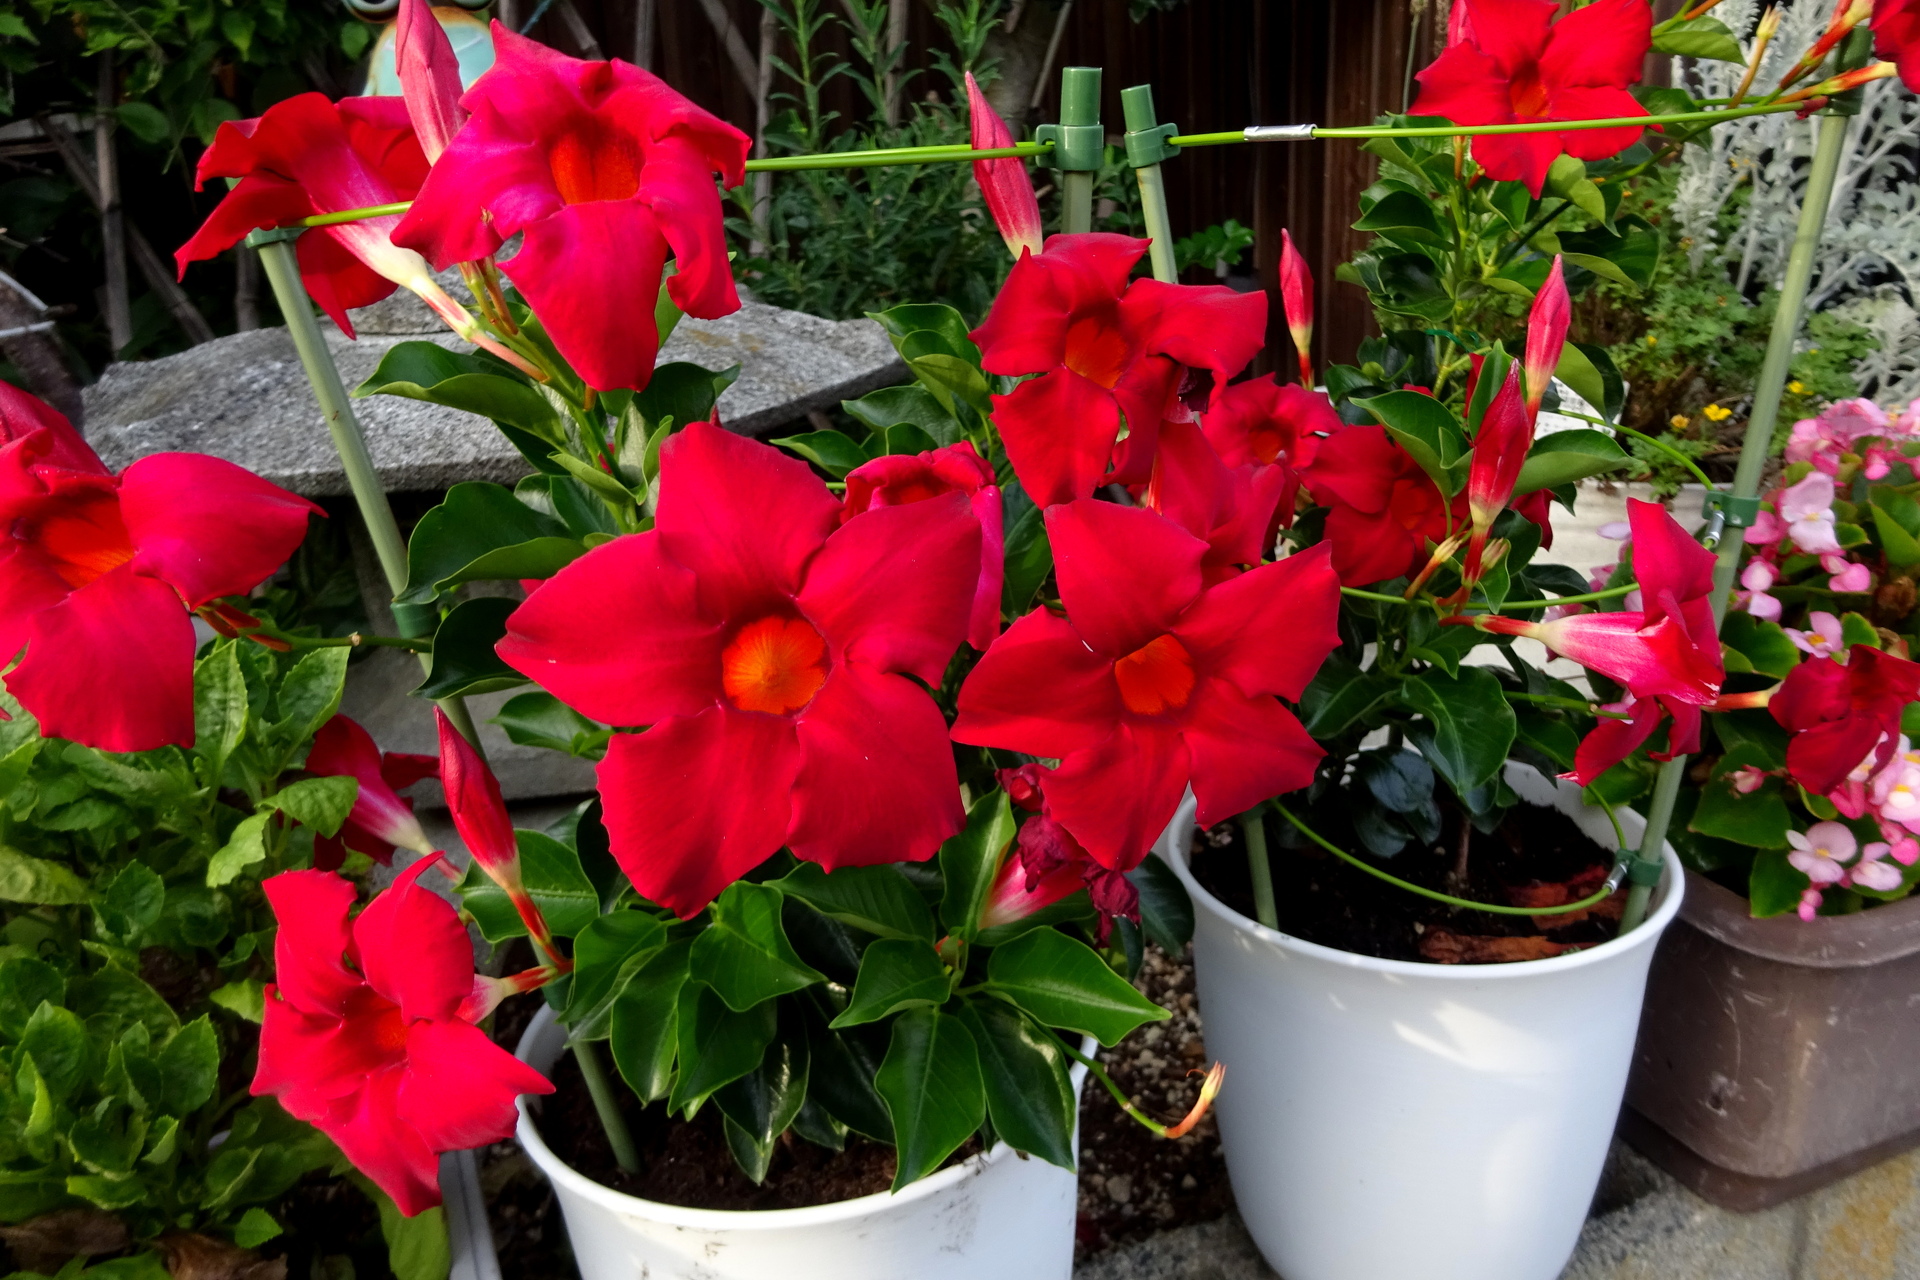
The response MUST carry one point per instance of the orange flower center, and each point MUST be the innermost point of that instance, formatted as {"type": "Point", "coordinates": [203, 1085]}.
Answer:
{"type": "Point", "coordinates": [84, 539]}
{"type": "Point", "coordinates": [595, 162]}
{"type": "Point", "coordinates": [1155, 678]}
{"type": "Point", "coordinates": [1528, 93]}
{"type": "Point", "coordinates": [774, 665]}
{"type": "Point", "coordinates": [1096, 349]}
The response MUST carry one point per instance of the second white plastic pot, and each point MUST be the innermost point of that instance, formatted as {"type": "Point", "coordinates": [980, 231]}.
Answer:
{"type": "Point", "coordinates": [998, 1216]}
{"type": "Point", "coordinates": [1385, 1118]}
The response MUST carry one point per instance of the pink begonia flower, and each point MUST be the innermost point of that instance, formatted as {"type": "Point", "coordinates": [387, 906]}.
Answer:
{"type": "Point", "coordinates": [1757, 577]}
{"type": "Point", "coordinates": [1871, 873]}
{"type": "Point", "coordinates": [1807, 508]}
{"type": "Point", "coordinates": [1851, 797]}
{"type": "Point", "coordinates": [1748, 779]}
{"type": "Point", "coordinates": [1896, 794]}
{"type": "Point", "coordinates": [1848, 420]}
{"type": "Point", "coordinates": [1906, 849]}
{"type": "Point", "coordinates": [1853, 579]}
{"type": "Point", "coordinates": [1823, 640]}
{"type": "Point", "coordinates": [1809, 904]}
{"type": "Point", "coordinates": [1908, 423]}
{"type": "Point", "coordinates": [1767, 530]}
{"type": "Point", "coordinates": [1822, 851]}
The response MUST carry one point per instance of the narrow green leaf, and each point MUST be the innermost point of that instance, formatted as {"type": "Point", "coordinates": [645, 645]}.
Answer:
{"type": "Point", "coordinates": [644, 1026]}
{"type": "Point", "coordinates": [832, 451]}
{"type": "Point", "coordinates": [478, 384]}
{"type": "Point", "coordinates": [969, 861]}
{"type": "Point", "coordinates": [931, 1083]}
{"type": "Point", "coordinates": [1029, 1093]}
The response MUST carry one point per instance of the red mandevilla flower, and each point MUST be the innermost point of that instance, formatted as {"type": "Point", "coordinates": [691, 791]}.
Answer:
{"type": "Point", "coordinates": [1382, 509]}
{"type": "Point", "coordinates": [1271, 424]}
{"type": "Point", "coordinates": [429, 73]}
{"type": "Point", "coordinates": [1154, 680]}
{"type": "Point", "coordinates": [1235, 511]}
{"type": "Point", "coordinates": [480, 816]}
{"type": "Point", "coordinates": [1499, 451]}
{"type": "Point", "coordinates": [1108, 353]}
{"type": "Point", "coordinates": [1046, 864]}
{"type": "Point", "coordinates": [898, 479]}
{"type": "Point", "coordinates": [381, 820]}
{"type": "Point", "coordinates": [1547, 325]}
{"type": "Point", "coordinates": [1296, 296]}
{"type": "Point", "coordinates": [363, 1037]}
{"type": "Point", "coordinates": [1509, 62]}
{"type": "Point", "coordinates": [769, 647]}
{"type": "Point", "coordinates": [605, 170]}
{"type": "Point", "coordinates": [1840, 714]}
{"type": "Point", "coordinates": [99, 572]}
{"type": "Point", "coordinates": [1896, 37]}
{"type": "Point", "coordinates": [1003, 182]}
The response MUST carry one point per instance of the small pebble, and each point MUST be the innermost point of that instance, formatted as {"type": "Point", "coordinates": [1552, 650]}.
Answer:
{"type": "Point", "coordinates": [1120, 1188]}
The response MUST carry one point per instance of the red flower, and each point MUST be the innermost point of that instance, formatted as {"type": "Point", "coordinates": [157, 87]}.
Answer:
{"type": "Point", "coordinates": [1047, 864]}
{"type": "Point", "coordinates": [308, 155]}
{"type": "Point", "coordinates": [99, 572]}
{"type": "Point", "coordinates": [1839, 714]}
{"type": "Point", "coordinates": [429, 73]}
{"type": "Point", "coordinates": [1107, 352]}
{"type": "Point", "coordinates": [1896, 32]}
{"type": "Point", "coordinates": [605, 170]}
{"type": "Point", "coordinates": [362, 1036]}
{"type": "Point", "coordinates": [381, 820]}
{"type": "Point", "coordinates": [1235, 511]}
{"type": "Point", "coordinates": [1499, 451]}
{"type": "Point", "coordinates": [1511, 63]}
{"type": "Point", "coordinates": [1154, 680]}
{"type": "Point", "coordinates": [1547, 325]}
{"type": "Point", "coordinates": [1271, 423]}
{"type": "Point", "coordinates": [1382, 509]}
{"type": "Point", "coordinates": [480, 816]}
{"type": "Point", "coordinates": [898, 479]}
{"type": "Point", "coordinates": [769, 647]}
{"type": "Point", "coordinates": [1003, 182]}
{"type": "Point", "coordinates": [1296, 296]}
{"type": "Point", "coordinates": [1613, 740]}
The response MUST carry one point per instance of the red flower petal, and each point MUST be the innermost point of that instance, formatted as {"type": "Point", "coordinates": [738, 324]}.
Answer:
{"type": "Point", "coordinates": [1519, 157]}
{"type": "Point", "coordinates": [413, 949]}
{"type": "Point", "coordinates": [313, 940]}
{"type": "Point", "coordinates": [1465, 86]}
{"type": "Point", "coordinates": [27, 585]}
{"type": "Point", "coordinates": [380, 819]}
{"type": "Point", "coordinates": [1059, 430]}
{"type": "Point", "coordinates": [1003, 182]}
{"type": "Point", "coordinates": [894, 588]}
{"type": "Point", "coordinates": [1243, 750]}
{"type": "Point", "coordinates": [677, 184]}
{"type": "Point", "coordinates": [1038, 690]}
{"type": "Point", "coordinates": [111, 666]}
{"type": "Point", "coordinates": [1026, 329]}
{"type": "Point", "coordinates": [1125, 573]}
{"type": "Point", "coordinates": [1511, 32]}
{"type": "Point", "coordinates": [1603, 44]}
{"type": "Point", "coordinates": [1612, 741]}
{"type": "Point", "coordinates": [378, 1136]}
{"type": "Point", "coordinates": [877, 782]}
{"type": "Point", "coordinates": [1117, 796]}
{"type": "Point", "coordinates": [207, 527]}
{"type": "Point", "coordinates": [316, 1063]}
{"type": "Point", "coordinates": [618, 636]}
{"type": "Point", "coordinates": [429, 72]}
{"type": "Point", "coordinates": [1596, 103]}
{"type": "Point", "coordinates": [458, 1089]}
{"type": "Point", "coordinates": [696, 802]}
{"type": "Point", "coordinates": [1207, 327]}
{"type": "Point", "coordinates": [618, 246]}
{"type": "Point", "coordinates": [743, 516]}
{"type": "Point", "coordinates": [1268, 630]}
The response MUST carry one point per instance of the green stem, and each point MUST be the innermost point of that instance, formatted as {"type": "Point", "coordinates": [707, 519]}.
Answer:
{"type": "Point", "coordinates": [1119, 1095]}
{"type": "Point", "coordinates": [1611, 593]}
{"type": "Point", "coordinates": [1572, 704]}
{"type": "Point", "coordinates": [1655, 441]}
{"type": "Point", "coordinates": [1486, 130]}
{"type": "Point", "coordinates": [607, 1104]}
{"type": "Point", "coordinates": [1606, 891]}
{"type": "Point", "coordinates": [1358, 594]}
{"type": "Point", "coordinates": [1253, 830]}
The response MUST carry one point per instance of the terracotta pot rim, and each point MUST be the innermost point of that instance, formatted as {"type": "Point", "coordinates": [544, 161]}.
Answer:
{"type": "Point", "coordinates": [1870, 937]}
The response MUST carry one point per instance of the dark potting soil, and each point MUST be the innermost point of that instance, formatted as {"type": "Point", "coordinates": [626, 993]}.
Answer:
{"type": "Point", "coordinates": [1537, 858]}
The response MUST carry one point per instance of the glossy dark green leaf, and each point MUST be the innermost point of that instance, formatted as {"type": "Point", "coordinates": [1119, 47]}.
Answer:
{"type": "Point", "coordinates": [937, 319]}
{"type": "Point", "coordinates": [877, 899]}
{"type": "Point", "coordinates": [1759, 818]}
{"type": "Point", "coordinates": [1550, 735]}
{"type": "Point", "coordinates": [1627, 258]}
{"type": "Point", "coordinates": [554, 878]}
{"type": "Point", "coordinates": [1594, 377]}
{"type": "Point", "coordinates": [1467, 729]}
{"type": "Point", "coordinates": [1166, 910]}
{"type": "Point", "coordinates": [1029, 556]}
{"type": "Point", "coordinates": [482, 532]}
{"type": "Point", "coordinates": [715, 1045]}
{"type": "Point", "coordinates": [1775, 885]}
{"type": "Point", "coordinates": [912, 404]}
{"type": "Point", "coordinates": [644, 1026]}
{"type": "Point", "coordinates": [108, 1139]}
{"type": "Point", "coordinates": [1405, 284]}
{"type": "Point", "coordinates": [464, 662]}
{"type": "Point", "coordinates": [1063, 983]}
{"type": "Point", "coordinates": [1340, 695]}
{"type": "Point", "coordinates": [1567, 178]}
{"type": "Point", "coordinates": [744, 954]}
{"type": "Point", "coordinates": [1030, 1095]}
{"type": "Point", "coordinates": [1402, 215]}
{"type": "Point", "coordinates": [1397, 780]}
{"type": "Point", "coordinates": [476, 383]}
{"type": "Point", "coordinates": [762, 1103]}
{"type": "Point", "coordinates": [1765, 645]}
{"type": "Point", "coordinates": [931, 1083]}
{"type": "Point", "coordinates": [683, 391]}
{"type": "Point", "coordinates": [1567, 456]}
{"type": "Point", "coordinates": [1512, 201]}
{"type": "Point", "coordinates": [539, 719]}
{"type": "Point", "coordinates": [563, 498]}
{"type": "Point", "coordinates": [606, 955]}
{"type": "Point", "coordinates": [969, 861]}
{"type": "Point", "coordinates": [902, 438]}
{"type": "Point", "coordinates": [1427, 430]}
{"type": "Point", "coordinates": [895, 975]}
{"type": "Point", "coordinates": [832, 451]}
{"type": "Point", "coordinates": [842, 1077]}
{"type": "Point", "coordinates": [1703, 37]}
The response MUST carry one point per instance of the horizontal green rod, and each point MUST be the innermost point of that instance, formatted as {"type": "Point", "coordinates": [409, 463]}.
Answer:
{"type": "Point", "coordinates": [1483, 130]}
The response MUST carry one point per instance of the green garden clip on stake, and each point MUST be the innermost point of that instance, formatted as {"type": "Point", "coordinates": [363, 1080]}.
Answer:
{"type": "Point", "coordinates": [1147, 146]}
{"type": "Point", "coordinates": [1079, 145]}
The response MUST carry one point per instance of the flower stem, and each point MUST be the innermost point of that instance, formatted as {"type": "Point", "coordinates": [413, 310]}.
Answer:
{"type": "Point", "coordinates": [1253, 829]}
{"type": "Point", "coordinates": [607, 1104]}
{"type": "Point", "coordinates": [1358, 594]}
{"type": "Point", "coordinates": [1208, 1090]}
{"type": "Point", "coordinates": [1611, 593]}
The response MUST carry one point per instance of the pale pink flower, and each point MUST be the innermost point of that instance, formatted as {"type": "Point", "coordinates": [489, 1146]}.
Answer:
{"type": "Point", "coordinates": [1896, 794]}
{"type": "Point", "coordinates": [1871, 873]}
{"type": "Point", "coordinates": [1906, 850]}
{"type": "Point", "coordinates": [1809, 904]}
{"type": "Point", "coordinates": [1822, 851]}
{"type": "Point", "coordinates": [1847, 420]}
{"type": "Point", "coordinates": [1853, 579]}
{"type": "Point", "coordinates": [1908, 423]}
{"type": "Point", "coordinates": [1851, 797]}
{"type": "Point", "coordinates": [1767, 530]}
{"type": "Point", "coordinates": [1747, 779]}
{"type": "Point", "coordinates": [1757, 577]}
{"type": "Point", "coordinates": [1621, 531]}
{"type": "Point", "coordinates": [1823, 640]}
{"type": "Point", "coordinates": [1807, 508]}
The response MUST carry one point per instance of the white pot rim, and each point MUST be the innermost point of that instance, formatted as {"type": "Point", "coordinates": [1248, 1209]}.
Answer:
{"type": "Point", "coordinates": [1672, 879]}
{"type": "Point", "coordinates": [559, 1171]}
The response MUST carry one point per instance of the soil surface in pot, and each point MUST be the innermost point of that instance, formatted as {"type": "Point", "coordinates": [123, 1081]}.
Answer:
{"type": "Point", "coordinates": [1537, 858]}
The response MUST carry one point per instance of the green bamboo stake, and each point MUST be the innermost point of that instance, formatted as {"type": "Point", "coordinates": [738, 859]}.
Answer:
{"type": "Point", "coordinates": [1736, 510]}
{"type": "Point", "coordinates": [1253, 831]}
{"type": "Point", "coordinates": [1078, 145]}
{"type": "Point", "coordinates": [1146, 149]}
{"type": "Point", "coordinates": [412, 621]}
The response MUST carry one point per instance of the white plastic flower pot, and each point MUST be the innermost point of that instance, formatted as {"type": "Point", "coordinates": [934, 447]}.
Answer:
{"type": "Point", "coordinates": [1385, 1118]}
{"type": "Point", "coordinates": [1000, 1215]}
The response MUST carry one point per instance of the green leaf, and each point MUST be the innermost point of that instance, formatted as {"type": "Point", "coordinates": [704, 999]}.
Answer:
{"type": "Point", "coordinates": [1404, 216]}
{"type": "Point", "coordinates": [841, 1079]}
{"type": "Point", "coordinates": [1513, 202]}
{"type": "Point", "coordinates": [1900, 544]}
{"type": "Point", "coordinates": [417, 1247]}
{"type": "Point", "coordinates": [913, 404]}
{"type": "Point", "coordinates": [56, 1040]}
{"type": "Point", "coordinates": [1427, 430]}
{"type": "Point", "coordinates": [219, 707]}
{"type": "Point", "coordinates": [609, 489]}
{"type": "Point", "coordinates": [122, 1000]}
{"type": "Point", "coordinates": [1855, 629]}
{"type": "Point", "coordinates": [902, 438]}
{"type": "Point", "coordinates": [310, 694]}
{"type": "Point", "coordinates": [1468, 727]}
{"type": "Point", "coordinates": [1029, 556]}
{"type": "Point", "coordinates": [320, 803]}
{"type": "Point", "coordinates": [683, 392]}
{"type": "Point", "coordinates": [1594, 378]}
{"type": "Point", "coordinates": [895, 975]}
{"type": "Point", "coordinates": [951, 379]}
{"type": "Point", "coordinates": [1698, 38]}
{"type": "Point", "coordinates": [255, 1228]}
{"type": "Point", "coordinates": [25, 982]}
{"type": "Point", "coordinates": [144, 121]}
{"type": "Point", "coordinates": [133, 901]}
{"type": "Point", "coordinates": [108, 1191]}
{"type": "Point", "coordinates": [1759, 819]}
{"type": "Point", "coordinates": [744, 954]}
{"type": "Point", "coordinates": [765, 1100]}
{"type": "Point", "coordinates": [539, 719]}
{"type": "Point", "coordinates": [246, 998]}
{"type": "Point", "coordinates": [464, 662]}
{"type": "Point", "coordinates": [246, 847]}
{"type": "Point", "coordinates": [970, 860]}
{"type": "Point", "coordinates": [877, 899]}
{"type": "Point", "coordinates": [1628, 258]}
{"type": "Point", "coordinates": [570, 502]}
{"type": "Point", "coordinates": [1063, 983]}
{"type": "Point", "coordinates": [1774, 885]}
{"type": "Point", "coordinates": [945, 327]}
{"type": "Point", "coordinates": [555, 880]}
{"type": "Point", "coordinates": [644, 1026]}
{"type": "Point", "coordinates": [1765, 645]}
{"type": "Point", "coordinates": [1405, 284]}
{"type": "Point", "coordinates": [478, 384]}
{"type": "Point", "coordinates": [1166, 912]}
{"type": "Point", "coordinates": [37, 881]}
{"type": "Point", "coordinates": [189, 1067]}
{"type": "Point", "coordinates": [482, 533]}
{"type": "Point", "coordinates": [606, 954]}
{"type": "Point", "coordinates": [716, 1045]}
{"type": "Point", "coordinates": [1341, 694]}
{"type": "Point", "coordinates": [1568, 179]}
{"type": "Point", "coordinates": [832, 451]}
{"type": "Point", "coordinates": [1567, 456]}
{"type": "Point", "coordinates": [931, 1083]}
{"type": "Point", "coordinates": [1030, 1096]}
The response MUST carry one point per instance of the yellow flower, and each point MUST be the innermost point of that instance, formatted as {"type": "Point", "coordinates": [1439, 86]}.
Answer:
{"type": "Point", "coordinates": [1798, 387]}
{"type": "Point", "coordinates": [1679, 422]}
{"type": "Point", "coordinates": [1653, 339]}
{"type": "Point", "coordinates": [1717, 413]}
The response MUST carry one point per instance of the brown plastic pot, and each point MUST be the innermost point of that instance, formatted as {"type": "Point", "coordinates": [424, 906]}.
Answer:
{"type": "Point", "coordinates": [1777, 1056]}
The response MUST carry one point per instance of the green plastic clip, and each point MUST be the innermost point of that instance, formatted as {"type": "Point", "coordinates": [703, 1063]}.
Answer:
{"type": "Point", "coordinates": [1079, 143]}
{"type": "Point", "coordinates": [1853, 53]}
{"type": "Point", "coordinates": [1735, 512]}
{"type": "Point", "coordinates": [1147, 141]}
{"type": "Point", "coordinates": [1642, 872]}
{"type": "Point", "coordinates": [272, 235]}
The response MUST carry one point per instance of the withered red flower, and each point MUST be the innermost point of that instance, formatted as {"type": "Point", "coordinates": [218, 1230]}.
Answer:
{"type": "Point", "coordinates": [1047, 865]}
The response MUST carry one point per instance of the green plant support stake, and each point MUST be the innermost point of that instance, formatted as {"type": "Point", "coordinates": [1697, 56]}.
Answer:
{"type": "Point", "coordinates": [1743, 503]}
{"type": "Point", "coordinates": [1079, 145]}
{"type": "Point", "coordinates": [1147, 146]}
{"type": "Point", "coordinates": [412, 621]}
